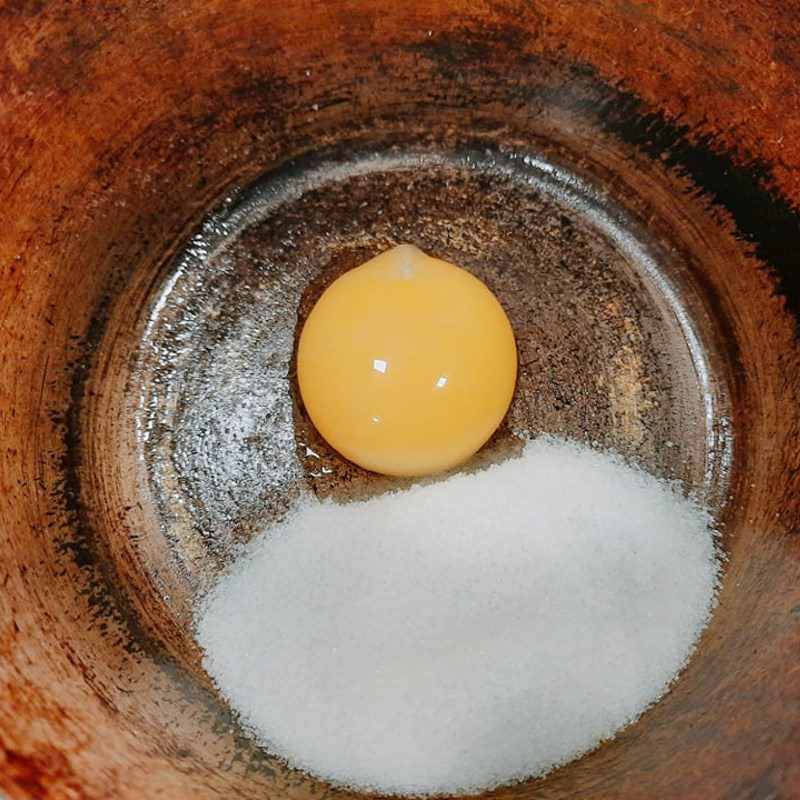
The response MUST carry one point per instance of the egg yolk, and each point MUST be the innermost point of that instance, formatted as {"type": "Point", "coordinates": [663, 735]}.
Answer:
{"type": "Point", "coordinates": [407, 364]}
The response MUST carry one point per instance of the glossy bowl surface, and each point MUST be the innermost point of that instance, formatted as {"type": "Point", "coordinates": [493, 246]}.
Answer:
{"type": "Point", "coordinates": [180, 181]}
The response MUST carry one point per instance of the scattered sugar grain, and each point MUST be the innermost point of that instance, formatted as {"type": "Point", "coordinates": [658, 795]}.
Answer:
{"type": "Point", "coordinates": [464, 634]}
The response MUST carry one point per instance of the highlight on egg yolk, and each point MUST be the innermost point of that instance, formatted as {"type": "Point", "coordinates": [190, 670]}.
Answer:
{"type": "Point", "coordinates": [407, 364]}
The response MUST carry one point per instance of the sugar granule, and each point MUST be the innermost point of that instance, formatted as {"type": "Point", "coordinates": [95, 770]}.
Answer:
{"type": "Point", "coordinates": [465, 634]}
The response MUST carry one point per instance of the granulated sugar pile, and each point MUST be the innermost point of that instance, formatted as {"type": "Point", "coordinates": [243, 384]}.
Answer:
{"type": "Point", "coordinates": [464, 634]}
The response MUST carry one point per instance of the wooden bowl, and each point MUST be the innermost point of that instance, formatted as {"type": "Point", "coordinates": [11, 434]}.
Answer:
{"type": "Point", "coordinates": [179, 181]}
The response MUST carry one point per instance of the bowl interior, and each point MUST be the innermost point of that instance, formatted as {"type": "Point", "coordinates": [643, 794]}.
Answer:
{"type": "Point", "coordinates": [182, 195]}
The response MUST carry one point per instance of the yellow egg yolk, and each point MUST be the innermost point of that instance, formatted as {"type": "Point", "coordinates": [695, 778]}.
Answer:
{"type": "Point", "coordinates": [407, 364]}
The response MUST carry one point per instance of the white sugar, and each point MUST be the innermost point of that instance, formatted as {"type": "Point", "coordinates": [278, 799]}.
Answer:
{"type": "Point", "coordinates": [464, 634]}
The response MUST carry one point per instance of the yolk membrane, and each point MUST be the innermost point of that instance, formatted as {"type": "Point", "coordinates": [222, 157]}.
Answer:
{"type": "Point", "coordinates": [407, 364]}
